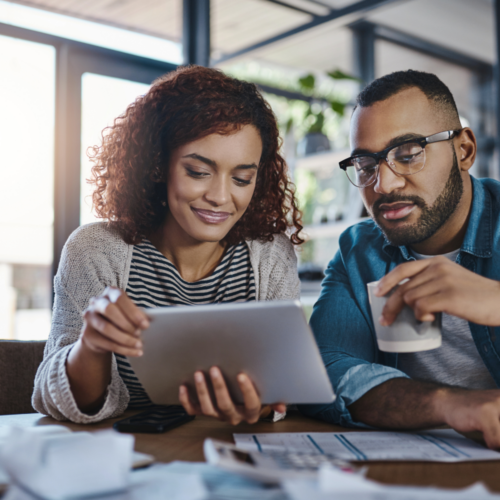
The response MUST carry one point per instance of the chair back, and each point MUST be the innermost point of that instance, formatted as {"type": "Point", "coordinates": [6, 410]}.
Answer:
{"type": "Point", "coordinates": [19, 361]}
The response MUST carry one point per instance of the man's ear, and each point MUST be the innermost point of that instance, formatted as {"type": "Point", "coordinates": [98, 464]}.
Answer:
{"type": "Point", "coordinates": [466, 148]}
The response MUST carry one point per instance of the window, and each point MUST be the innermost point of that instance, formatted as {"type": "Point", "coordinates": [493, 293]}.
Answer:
{"type": "Point", "coordinates": [27, 93]}
{"type": "Point", "coordinates": [32, 231]}
{"type": "Point", "coordinates": [103, 99]}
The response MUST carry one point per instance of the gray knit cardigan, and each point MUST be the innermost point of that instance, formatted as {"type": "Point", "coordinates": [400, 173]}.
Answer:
{"type": "Point", "coordinates": [95, 257]}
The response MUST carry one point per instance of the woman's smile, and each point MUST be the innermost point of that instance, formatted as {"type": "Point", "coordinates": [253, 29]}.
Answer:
{"type": "Point", "coordinates": [211, 216]}
{"type": "Point", "coordinates": [205, 193]}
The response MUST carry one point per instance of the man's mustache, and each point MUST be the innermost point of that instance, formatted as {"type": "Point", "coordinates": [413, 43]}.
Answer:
{"type": "Point", "coordinates": [398, 198]}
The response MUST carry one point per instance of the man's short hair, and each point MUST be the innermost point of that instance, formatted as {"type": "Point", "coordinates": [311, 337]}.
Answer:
{"type": "Point", "coordinates": [389, 85]}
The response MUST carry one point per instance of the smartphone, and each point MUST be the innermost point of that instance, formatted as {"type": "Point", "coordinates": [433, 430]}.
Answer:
{"type": "Point", "coordinates": [154, 420]}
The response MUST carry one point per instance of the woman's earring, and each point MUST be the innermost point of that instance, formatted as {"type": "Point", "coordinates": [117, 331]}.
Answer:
{"type": "Point", "coordinates": [164, 203]}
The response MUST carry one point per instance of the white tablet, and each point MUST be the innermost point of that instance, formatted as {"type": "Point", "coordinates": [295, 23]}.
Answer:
{"type": "Point", "coordinates": [269, 341]}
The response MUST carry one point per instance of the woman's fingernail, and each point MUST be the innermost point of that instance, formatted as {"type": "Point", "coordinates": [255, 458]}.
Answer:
{"type": "Point", "coordinates": [138, 344]}
{"type": "Point", "coordinates": [144, 324]}
{"type": "Point", "coordinates": [242, 378]}
{"type": "Point", "coordinates": [182, 390]}
{"type": "Point", "coordinates": [214, 373]}
{"type": "Point", "coordinates": [138, 332]}
{"type": "Point", "coordinates": [140, 353]}
{"type": "Point", "coordinates": [198, 376]}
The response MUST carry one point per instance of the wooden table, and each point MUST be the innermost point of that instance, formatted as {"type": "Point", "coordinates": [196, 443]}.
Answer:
{"type": "Point", "coordinates": [186, 443]}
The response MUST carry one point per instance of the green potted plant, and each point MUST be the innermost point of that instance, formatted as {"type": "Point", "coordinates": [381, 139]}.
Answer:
{"type": "Point", "coordinates": [315, 140]}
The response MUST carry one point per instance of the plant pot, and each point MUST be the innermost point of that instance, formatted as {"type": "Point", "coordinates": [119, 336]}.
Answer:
{"type": "Point", "coordinates": [313, 143]}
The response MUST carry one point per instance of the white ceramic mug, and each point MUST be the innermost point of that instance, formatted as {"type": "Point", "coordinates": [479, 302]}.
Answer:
{"type": "Point", "coordinates": [406, 334]}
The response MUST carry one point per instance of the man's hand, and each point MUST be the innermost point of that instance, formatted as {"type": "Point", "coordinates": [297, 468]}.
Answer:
{"type": "Point", "coordinates": [439, 285]}
{"type": "Point", "coordinates": [402, 403]}
{"type": "Point", "coordinates": [467, 411]}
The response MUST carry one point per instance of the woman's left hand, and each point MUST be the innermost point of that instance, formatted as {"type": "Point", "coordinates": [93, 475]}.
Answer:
{"type": "Point", "coordinates": [223, 408]}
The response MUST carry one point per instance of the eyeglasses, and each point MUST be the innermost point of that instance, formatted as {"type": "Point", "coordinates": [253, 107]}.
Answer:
{"type": "Point", "coordinates": [405, 158]}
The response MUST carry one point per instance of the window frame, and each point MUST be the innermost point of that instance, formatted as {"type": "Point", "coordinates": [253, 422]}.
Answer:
{"type": "Point", "coordinates": [73, 59]}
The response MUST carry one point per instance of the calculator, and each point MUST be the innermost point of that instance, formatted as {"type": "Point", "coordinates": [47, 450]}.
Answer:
{"type": "Point", "coordinates": [269, 466]}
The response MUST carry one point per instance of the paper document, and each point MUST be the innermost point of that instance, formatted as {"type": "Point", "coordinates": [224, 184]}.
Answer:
{"type": "Point", "coordinates": [444, 445]}
{"type": "Point", "coordinates": [364, 489]}
{"type": "Point", "coordinates": [43, 430]}
{"type": "Point", "coordinates": [49, 432]}
{"type": "Point", "coordinates": [190, 481]}
{"type": "Point", "coordinates": [67, 465]}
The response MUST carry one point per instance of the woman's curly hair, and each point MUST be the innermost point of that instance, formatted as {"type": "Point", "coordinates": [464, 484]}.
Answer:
{"type": "Point", "coordinates": [180, 107]}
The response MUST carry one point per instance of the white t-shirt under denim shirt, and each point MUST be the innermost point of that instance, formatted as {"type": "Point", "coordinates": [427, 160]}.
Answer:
{"type": "Point", "coordinates": [457, 362]}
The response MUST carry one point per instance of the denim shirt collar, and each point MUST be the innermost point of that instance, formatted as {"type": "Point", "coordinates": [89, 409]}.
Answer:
{"type": "Point", "coordinates": [478, 238]}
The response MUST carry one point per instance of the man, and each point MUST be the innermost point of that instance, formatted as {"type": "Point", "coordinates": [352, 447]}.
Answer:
{"type": "Point", "coordinates": [436, 225]}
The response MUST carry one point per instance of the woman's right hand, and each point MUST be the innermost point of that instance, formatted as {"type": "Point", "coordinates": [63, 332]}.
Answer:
{"type": "Point", "coordinates": [113, 323]}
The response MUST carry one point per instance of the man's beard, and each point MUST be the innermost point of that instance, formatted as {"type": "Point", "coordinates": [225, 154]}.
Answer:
{"type": "Point", "coordinates": [431, 219]}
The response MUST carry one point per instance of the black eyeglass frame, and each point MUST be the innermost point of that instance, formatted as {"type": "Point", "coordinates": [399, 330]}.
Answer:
{"type": "Point", "coordinates": [382, 155]}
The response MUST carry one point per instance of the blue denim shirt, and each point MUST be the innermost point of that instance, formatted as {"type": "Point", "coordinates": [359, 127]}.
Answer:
{"type": "Point", "coordinates": [342, 321]}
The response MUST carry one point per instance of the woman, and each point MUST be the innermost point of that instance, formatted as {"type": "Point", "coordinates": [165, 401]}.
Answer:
{"type": "Point", "coordinates": [198, 206]}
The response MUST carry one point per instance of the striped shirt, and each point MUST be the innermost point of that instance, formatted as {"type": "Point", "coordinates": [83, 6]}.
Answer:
{"type": "Point", "coordinates": [155, 282]}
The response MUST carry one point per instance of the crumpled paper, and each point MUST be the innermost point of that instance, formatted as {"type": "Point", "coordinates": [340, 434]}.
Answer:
{"type": "Point", "coordinates": [65, 466]}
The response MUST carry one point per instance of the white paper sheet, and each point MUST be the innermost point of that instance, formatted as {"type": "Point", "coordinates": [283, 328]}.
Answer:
{"type": "Point", "coordinates": [309, 490]}
{"type": "Point", "coordinates": [42, 430]}
{"type": "Point", "coordinates": [223, 485]}
{"type": "Point", "coordinates": [158, 482]}
{"type": "Point", "coordinates": [66, 465]}
{"type": "Point", "coordinates": [444, 445]}
{"type": "Point", "coordinates": [39, 430]}
{"type": "Point", "coordinates": [333, 484]}
{"type": "Point", "coordinates": [186, 481]}
{"type": "Point", "coordinates": [48, 432]}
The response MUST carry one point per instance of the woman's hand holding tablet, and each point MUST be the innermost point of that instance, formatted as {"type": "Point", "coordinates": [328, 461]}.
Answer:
{"type": "Point", "coordinates": [226, 360]}
{"type": "Point", "coordinates": [114, 324]}
{"type": "Point", "coordinates": [223, 408]}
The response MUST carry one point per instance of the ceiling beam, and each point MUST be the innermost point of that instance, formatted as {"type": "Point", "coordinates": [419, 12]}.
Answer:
{"type": "Point", "coordinates": [296, 8]}
{"type": "Point", "coordinates": [360, 7]}
{"type": "Point", "coordinates": [426, 47]}
{"type": "Point", "coordinates": [319, 2]}
{"type": "Point", "coordinates": [289, 94]}
{"type": "Point", "coordinates": [364, 51]}
{"type": "Point", "coordinates": [196, 32]}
